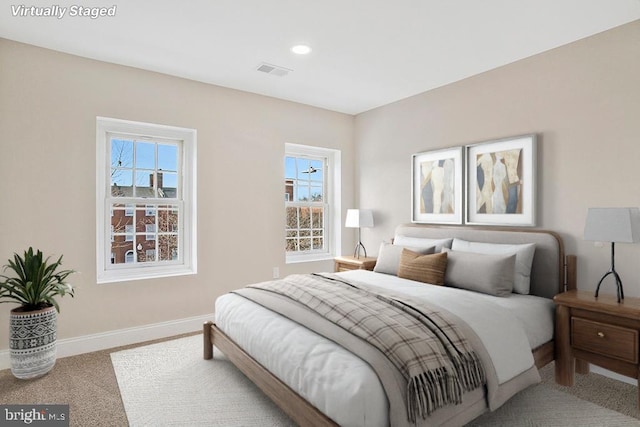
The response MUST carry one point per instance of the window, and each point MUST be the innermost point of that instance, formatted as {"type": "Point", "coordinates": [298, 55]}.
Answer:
{"type": "Point", "coordinates": [145, 199]}
{"type": "Point", "coordinates": [312, 194]}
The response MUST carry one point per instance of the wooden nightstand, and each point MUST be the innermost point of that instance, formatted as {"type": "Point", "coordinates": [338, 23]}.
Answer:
{"type": "Point", "coordinates": [345, 263]}
{"type": "Point", "coordinates": [599, 331]}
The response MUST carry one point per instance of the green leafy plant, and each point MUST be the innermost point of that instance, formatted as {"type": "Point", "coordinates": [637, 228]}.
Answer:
{"type": "Point", "coordinates": [35, 282]}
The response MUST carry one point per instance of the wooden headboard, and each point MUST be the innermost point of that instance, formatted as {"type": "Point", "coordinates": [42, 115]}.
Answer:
{"type": "Point", "coordinates": [548, 270]}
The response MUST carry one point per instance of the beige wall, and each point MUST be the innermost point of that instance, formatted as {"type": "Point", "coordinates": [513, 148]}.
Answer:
{"type": "Point", "coordinates": [48, 107]}
{"type": "Point", "coordinates": [582, 99]}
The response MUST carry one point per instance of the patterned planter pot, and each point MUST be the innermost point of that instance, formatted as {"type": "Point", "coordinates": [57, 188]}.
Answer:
{"type": "Point", "coordinates": [32, 342]}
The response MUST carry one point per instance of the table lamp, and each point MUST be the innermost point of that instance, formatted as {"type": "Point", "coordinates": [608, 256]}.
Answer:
{"type": "Point", "coordinates": [358, 218]}
{"type": "Point", "coordinates": [613, 225]}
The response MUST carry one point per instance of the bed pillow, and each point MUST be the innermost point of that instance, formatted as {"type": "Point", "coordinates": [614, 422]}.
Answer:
{"type": "Point", "coordinates": [389, 257]}
{"type": "Point", "coordinates": [418, 242]}
{"type": "Point", "coordinates": [524, 258]}
{"type": "Point", "coordinates": [423, 268]}
{"type": "Point", "coordinates": [489, 274]}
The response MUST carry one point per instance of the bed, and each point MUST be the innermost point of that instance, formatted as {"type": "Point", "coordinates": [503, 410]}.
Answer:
{"type": "Point", "coordinates": [317, 381]}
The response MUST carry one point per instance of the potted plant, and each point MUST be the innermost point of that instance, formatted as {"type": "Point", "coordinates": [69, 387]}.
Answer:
{"type": "Point", "coordinates": [34, 284]}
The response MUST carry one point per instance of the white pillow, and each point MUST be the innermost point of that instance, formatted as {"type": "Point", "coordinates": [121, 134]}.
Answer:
{"type": "Point", "coordinates": [389, 257]}
{"type": "Point", "coordinates": [489, 274]}
{"type": "Point", "coordinates": [524, 258]}
{"type": "Point", "coordinates": [418, 242]}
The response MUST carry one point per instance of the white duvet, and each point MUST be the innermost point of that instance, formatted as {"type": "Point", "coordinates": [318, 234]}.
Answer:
{"type": "Point", "coordinates": [345, 387]}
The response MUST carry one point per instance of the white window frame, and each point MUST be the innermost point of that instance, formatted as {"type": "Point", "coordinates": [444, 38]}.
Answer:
{"type": "Point", "coordinates": [187, 263]}
{"type": "Point", "coordinates": [332, 196]}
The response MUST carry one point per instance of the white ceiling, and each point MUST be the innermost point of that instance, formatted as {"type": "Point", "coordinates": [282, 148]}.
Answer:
{"type": "Point", "coordinates": [366, 53]}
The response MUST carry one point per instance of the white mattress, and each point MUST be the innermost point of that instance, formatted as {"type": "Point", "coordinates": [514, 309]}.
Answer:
{"type": "Point", "coordinates": [334, 380]}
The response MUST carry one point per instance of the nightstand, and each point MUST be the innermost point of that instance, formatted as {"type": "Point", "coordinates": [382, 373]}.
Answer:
{"type": "Point", "coordinates": [596, 330]}
{"type": "Point", "coordinates": [345, 263]}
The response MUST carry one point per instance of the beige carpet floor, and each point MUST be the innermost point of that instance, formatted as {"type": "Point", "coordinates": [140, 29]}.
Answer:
{"type": "Point", "coordinates": [88, 384]}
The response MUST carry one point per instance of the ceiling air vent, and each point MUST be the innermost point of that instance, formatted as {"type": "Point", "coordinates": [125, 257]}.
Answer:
{"type": "Point", "coordinates": [274, 70]}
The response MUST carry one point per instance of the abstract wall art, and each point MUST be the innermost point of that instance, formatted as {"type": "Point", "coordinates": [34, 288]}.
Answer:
{"type": "Point", "coordinates": [501, 181]}
{"type": "Point", "coordinates": [437, 178]}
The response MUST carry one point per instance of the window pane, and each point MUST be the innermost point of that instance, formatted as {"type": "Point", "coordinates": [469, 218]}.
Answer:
{"type": "Point", "coordinates": [316, 194]}
{"type": "Point", "coordinates": [292, 217]}
{"type": "Point", "coordinates": [168, 185]}
{"type": "Point", "coordinates": [143, 244]}
{"type": "Point", "coordinates": [121, 153]}
{"type": "Point", "coordinates": [144, 184]}
{"type": "Point", "coordinates": [317, 218]}
{"type": "Point", "coordinates": [292, 245]}
{"type": "Point", "coordinates": [303, 194]}
{"type": "Point", "coordinates": [142, 219]}
{"type": "Point", "coordinates": [150, 255]}
{"type": "Point", "coordinates": [304, 169]}
{"type": "Point", "coordinates": [316, 167]}
{"type": "Point", "coordinates": [168, 245]}
{"type": "Point", "coordinates": [290, 168]}
{"type": "Point", "coordinates": [145, 155]}
{"type": "Point", "coordinates": [119, 248]}
{"type": "Point", "coordinates": [121, 182]}
{"type": "Point", "coordinates": [317, 243]}
{"type": "Point", "coordinates": [305, 245]}
{"type": "Point", "coordinates": [167, 157]}
{"type": "Point", "coordinates": [119, 218]}
{"type": "Point", "coordinates": [305, 233]}
{"type": "Point", "coordinates": [168, 220]}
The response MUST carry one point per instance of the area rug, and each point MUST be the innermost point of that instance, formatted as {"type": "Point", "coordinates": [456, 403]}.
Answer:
{"type": "Point", "coordinates": [170, 384]}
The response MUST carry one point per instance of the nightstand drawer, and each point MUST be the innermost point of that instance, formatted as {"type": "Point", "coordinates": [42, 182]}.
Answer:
{"type": "Point", "coordinates": [608, 340]}
{"type": "Point", "coordinates": [346, 267]}
{"type": "Point", "coordinates": [346, 263]}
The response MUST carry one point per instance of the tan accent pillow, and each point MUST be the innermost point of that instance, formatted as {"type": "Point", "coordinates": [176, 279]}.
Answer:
{"type": "Point", "coordinates": [423, 268]}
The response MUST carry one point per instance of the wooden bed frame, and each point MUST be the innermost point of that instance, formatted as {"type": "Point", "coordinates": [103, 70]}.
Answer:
{"type": "Point", "coordinates": [303, 412]}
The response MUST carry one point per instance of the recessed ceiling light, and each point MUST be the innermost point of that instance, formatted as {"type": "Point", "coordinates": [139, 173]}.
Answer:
{"type": "Point", "coordinates": [301, 49]}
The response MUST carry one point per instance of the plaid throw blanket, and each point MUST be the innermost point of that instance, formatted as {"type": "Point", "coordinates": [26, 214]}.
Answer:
{"type": "Point", "coordinates": [424, 345]}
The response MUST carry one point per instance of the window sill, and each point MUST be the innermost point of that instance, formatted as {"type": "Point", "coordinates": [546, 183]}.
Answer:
{"type": "Point", "coordinates": [114, 276]}
{"type": "Point", "coordinates": [296, 259]}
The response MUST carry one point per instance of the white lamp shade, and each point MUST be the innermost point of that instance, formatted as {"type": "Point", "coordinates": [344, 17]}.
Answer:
{"type": "Point", "coordinates": [613, 225]}
{"type": "Point", "coordinates": [359, 218]}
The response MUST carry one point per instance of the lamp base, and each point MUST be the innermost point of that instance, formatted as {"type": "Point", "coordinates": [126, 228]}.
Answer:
{"type": "Point", "coordinates": [619, 290]}
{"type": "Point", "coordinates": [356, 252]}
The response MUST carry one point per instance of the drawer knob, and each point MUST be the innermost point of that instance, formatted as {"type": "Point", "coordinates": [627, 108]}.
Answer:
{"type": "Point", "coordinates": [601, 334]}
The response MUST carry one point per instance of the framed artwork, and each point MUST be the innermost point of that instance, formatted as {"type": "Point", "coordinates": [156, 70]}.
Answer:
{"type": "Point", "coordinates": [501, 182]}
{"type": "Point", "coordinates": [437, 186]}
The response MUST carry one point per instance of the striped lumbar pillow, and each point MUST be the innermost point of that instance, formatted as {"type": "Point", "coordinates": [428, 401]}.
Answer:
{"type": "Point", "coordinates": [423, 268]}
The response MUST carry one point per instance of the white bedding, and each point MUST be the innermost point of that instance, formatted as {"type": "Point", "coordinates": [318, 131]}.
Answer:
{"type": "Point", "coordinates": [345, 387]}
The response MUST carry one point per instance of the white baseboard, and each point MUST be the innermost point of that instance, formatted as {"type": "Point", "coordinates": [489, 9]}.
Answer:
{"type": "Point", "coordinates": [610, 374]}
{"type": "Point", "coordinates": [88, 343]}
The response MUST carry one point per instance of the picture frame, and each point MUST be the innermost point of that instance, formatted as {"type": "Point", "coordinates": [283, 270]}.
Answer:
{"type": "Point", "coordinates": [501, 181]}
{"type": "Point", "coordinates": [437, 186]}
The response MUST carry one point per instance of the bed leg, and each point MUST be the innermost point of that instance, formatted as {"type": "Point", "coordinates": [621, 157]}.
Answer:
{"type": "Point", "coordinates": [208, 345]}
